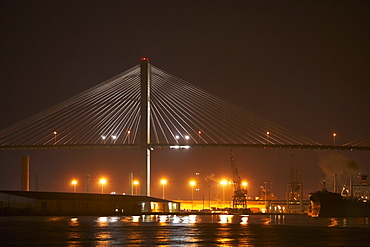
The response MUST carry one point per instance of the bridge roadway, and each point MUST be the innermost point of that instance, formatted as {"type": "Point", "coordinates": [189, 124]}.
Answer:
{"type": "Point", "coordinates": [184, 146]}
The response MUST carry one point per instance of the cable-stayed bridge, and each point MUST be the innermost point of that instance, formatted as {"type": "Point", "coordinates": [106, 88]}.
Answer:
{"type": "Point", "coordinates": [146, 107]}
{"type": "Point", "coordinates": [108, 115]}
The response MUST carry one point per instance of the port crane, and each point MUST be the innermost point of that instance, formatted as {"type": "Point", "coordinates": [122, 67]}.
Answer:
{"type": "Point", "coordinates": [239, 197]}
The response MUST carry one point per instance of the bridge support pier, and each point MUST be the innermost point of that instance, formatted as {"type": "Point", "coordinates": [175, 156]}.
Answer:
{"type": "Point", "coordinates": [145, 128]}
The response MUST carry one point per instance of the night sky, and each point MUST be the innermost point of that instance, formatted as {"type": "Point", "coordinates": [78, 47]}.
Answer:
{"type": "Point", "coordinates": [301, 64]}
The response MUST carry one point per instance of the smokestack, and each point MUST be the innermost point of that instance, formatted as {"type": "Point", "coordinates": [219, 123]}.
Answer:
{"type": "Point", "coordinates": [88, 183]}
{"type": "Point", "coordinates": [25, 173]}
{"type": "Point", "coordinates": [131, 183]}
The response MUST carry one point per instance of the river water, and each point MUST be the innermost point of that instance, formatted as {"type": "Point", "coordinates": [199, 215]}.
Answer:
{"type": "Point", "coordinates": [190, 230]}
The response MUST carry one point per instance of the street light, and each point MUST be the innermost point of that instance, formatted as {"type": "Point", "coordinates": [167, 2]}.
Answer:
{"type": "Point", "coordinates": [163, 182]}
{"type": "Point", "coordinates": [223, 182]}
{"type": "Point", "coordinates": [55, 137]}
{"type": "Point", "coordinates": [102, 181]}
{"type": "Point", "coordinates": [334, 135]}
{"type": "Point", "coordinates": [128, 136]}
{"type": "Point", "coordinates": [244, 184]}
{"type": "Point", "coordinates": [74, 183]}
{"type": "Point", "coordinates": [192, 183]}
{"type": "Point", "coordinates": [136, 183]}
{"type": "Point", "coordinates": [199, 132]}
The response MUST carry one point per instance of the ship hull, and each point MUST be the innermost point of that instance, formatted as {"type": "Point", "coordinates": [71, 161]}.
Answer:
{"type": "Point", "coordinates": [328, 204]}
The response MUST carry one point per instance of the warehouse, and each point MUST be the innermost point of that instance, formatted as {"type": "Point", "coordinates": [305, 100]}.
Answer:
{"type": "Point", "coordinates": [58, 203]}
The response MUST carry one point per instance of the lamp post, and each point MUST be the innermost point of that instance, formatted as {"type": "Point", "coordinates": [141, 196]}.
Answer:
{"type": "Point", "coordinates": [136, 183]}
{"type": "Point", "coordinates": [74, 183]}
{"type": "Point", "coordinates": [244, 184]}
{"type": "Point", "coordinates": [334, 135]}
{"type": "Point", "coordinates": [192, 183]}
{"type": "Point", "coordinates": [199, 132]}
{"type": "Point", "coordinates": [103, 181]}
{"type": "Point", "coordinates": [223, 183]}
{"type": "Point", "coordinates": [55, 137]}
{"type": "Point", "coordinates": [163, 182]}
{"type": "Point", "coordinates": [128, 136]}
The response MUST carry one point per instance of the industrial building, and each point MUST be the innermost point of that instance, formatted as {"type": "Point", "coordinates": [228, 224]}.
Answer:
{"type": "Point", "coordinates": [58, 203]}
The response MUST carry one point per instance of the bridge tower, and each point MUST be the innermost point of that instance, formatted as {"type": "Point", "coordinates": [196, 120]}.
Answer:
{"type": "Point", "coordinates": [145, 127]}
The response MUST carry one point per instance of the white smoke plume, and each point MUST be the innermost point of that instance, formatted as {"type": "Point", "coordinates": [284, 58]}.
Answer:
{"type": "Point", "coordinates": [340, 165]}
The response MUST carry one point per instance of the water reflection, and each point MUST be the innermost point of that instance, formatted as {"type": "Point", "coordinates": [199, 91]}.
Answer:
{"type": "Point", "coordinates": [184, 230]}
{"type": "Point", "coordinates": [74, 233]}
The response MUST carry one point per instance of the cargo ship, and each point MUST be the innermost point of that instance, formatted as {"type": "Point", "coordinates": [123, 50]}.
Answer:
{"type": "Point", "coordinates": [330, 204]}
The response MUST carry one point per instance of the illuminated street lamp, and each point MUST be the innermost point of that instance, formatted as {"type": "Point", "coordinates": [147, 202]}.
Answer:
{"type": "Point", "coordinates": [268, 136]}
{"type": "Point", "coordinates": [55, 137]}
{"type": "Point", "coordinates": [334, 135]}
{"type": "Point", "coordinates": [128, 136]}
{"type": "Point", "coordinates": [199, 132]}
{"type": "Point", "coordinates": [163, 182]}
{"type": "Point", "coordinates": [223, 182]}
{"type": "Point", "coordinates": [136, 183]}
{"type": "Point", "coordinates": [74, 183]}
{"type": "Point", "coordinates": [244, 184]}
{"type": "Point", "coordinates": [192, 184]}
{"type": "Point", "coordinates": [102, 181]}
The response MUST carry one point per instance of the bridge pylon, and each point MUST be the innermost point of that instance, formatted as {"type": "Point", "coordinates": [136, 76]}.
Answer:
{"type": "Point", "coordinates": [145, 127]}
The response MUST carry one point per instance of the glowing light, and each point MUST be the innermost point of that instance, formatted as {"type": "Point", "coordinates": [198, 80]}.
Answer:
{"type": "Point", "coordinates": [103, 137]}
{"type": "Point", "coordinates": [163, 182]}
{"type": "Point", "coordinates": [114, 137]}
{"type": "Point", "coordinates": [74, 183]}
{"type": "Point", "coordinates": [187, 137]}
{"type": "Point", "coordinates": [136, 183]}
{"type": "Point", "coordinates": [179, 147]}
{"type": "Point", "coordinates": [223, 182]}
{"type": "Point", "coordinates": [102, 181]}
